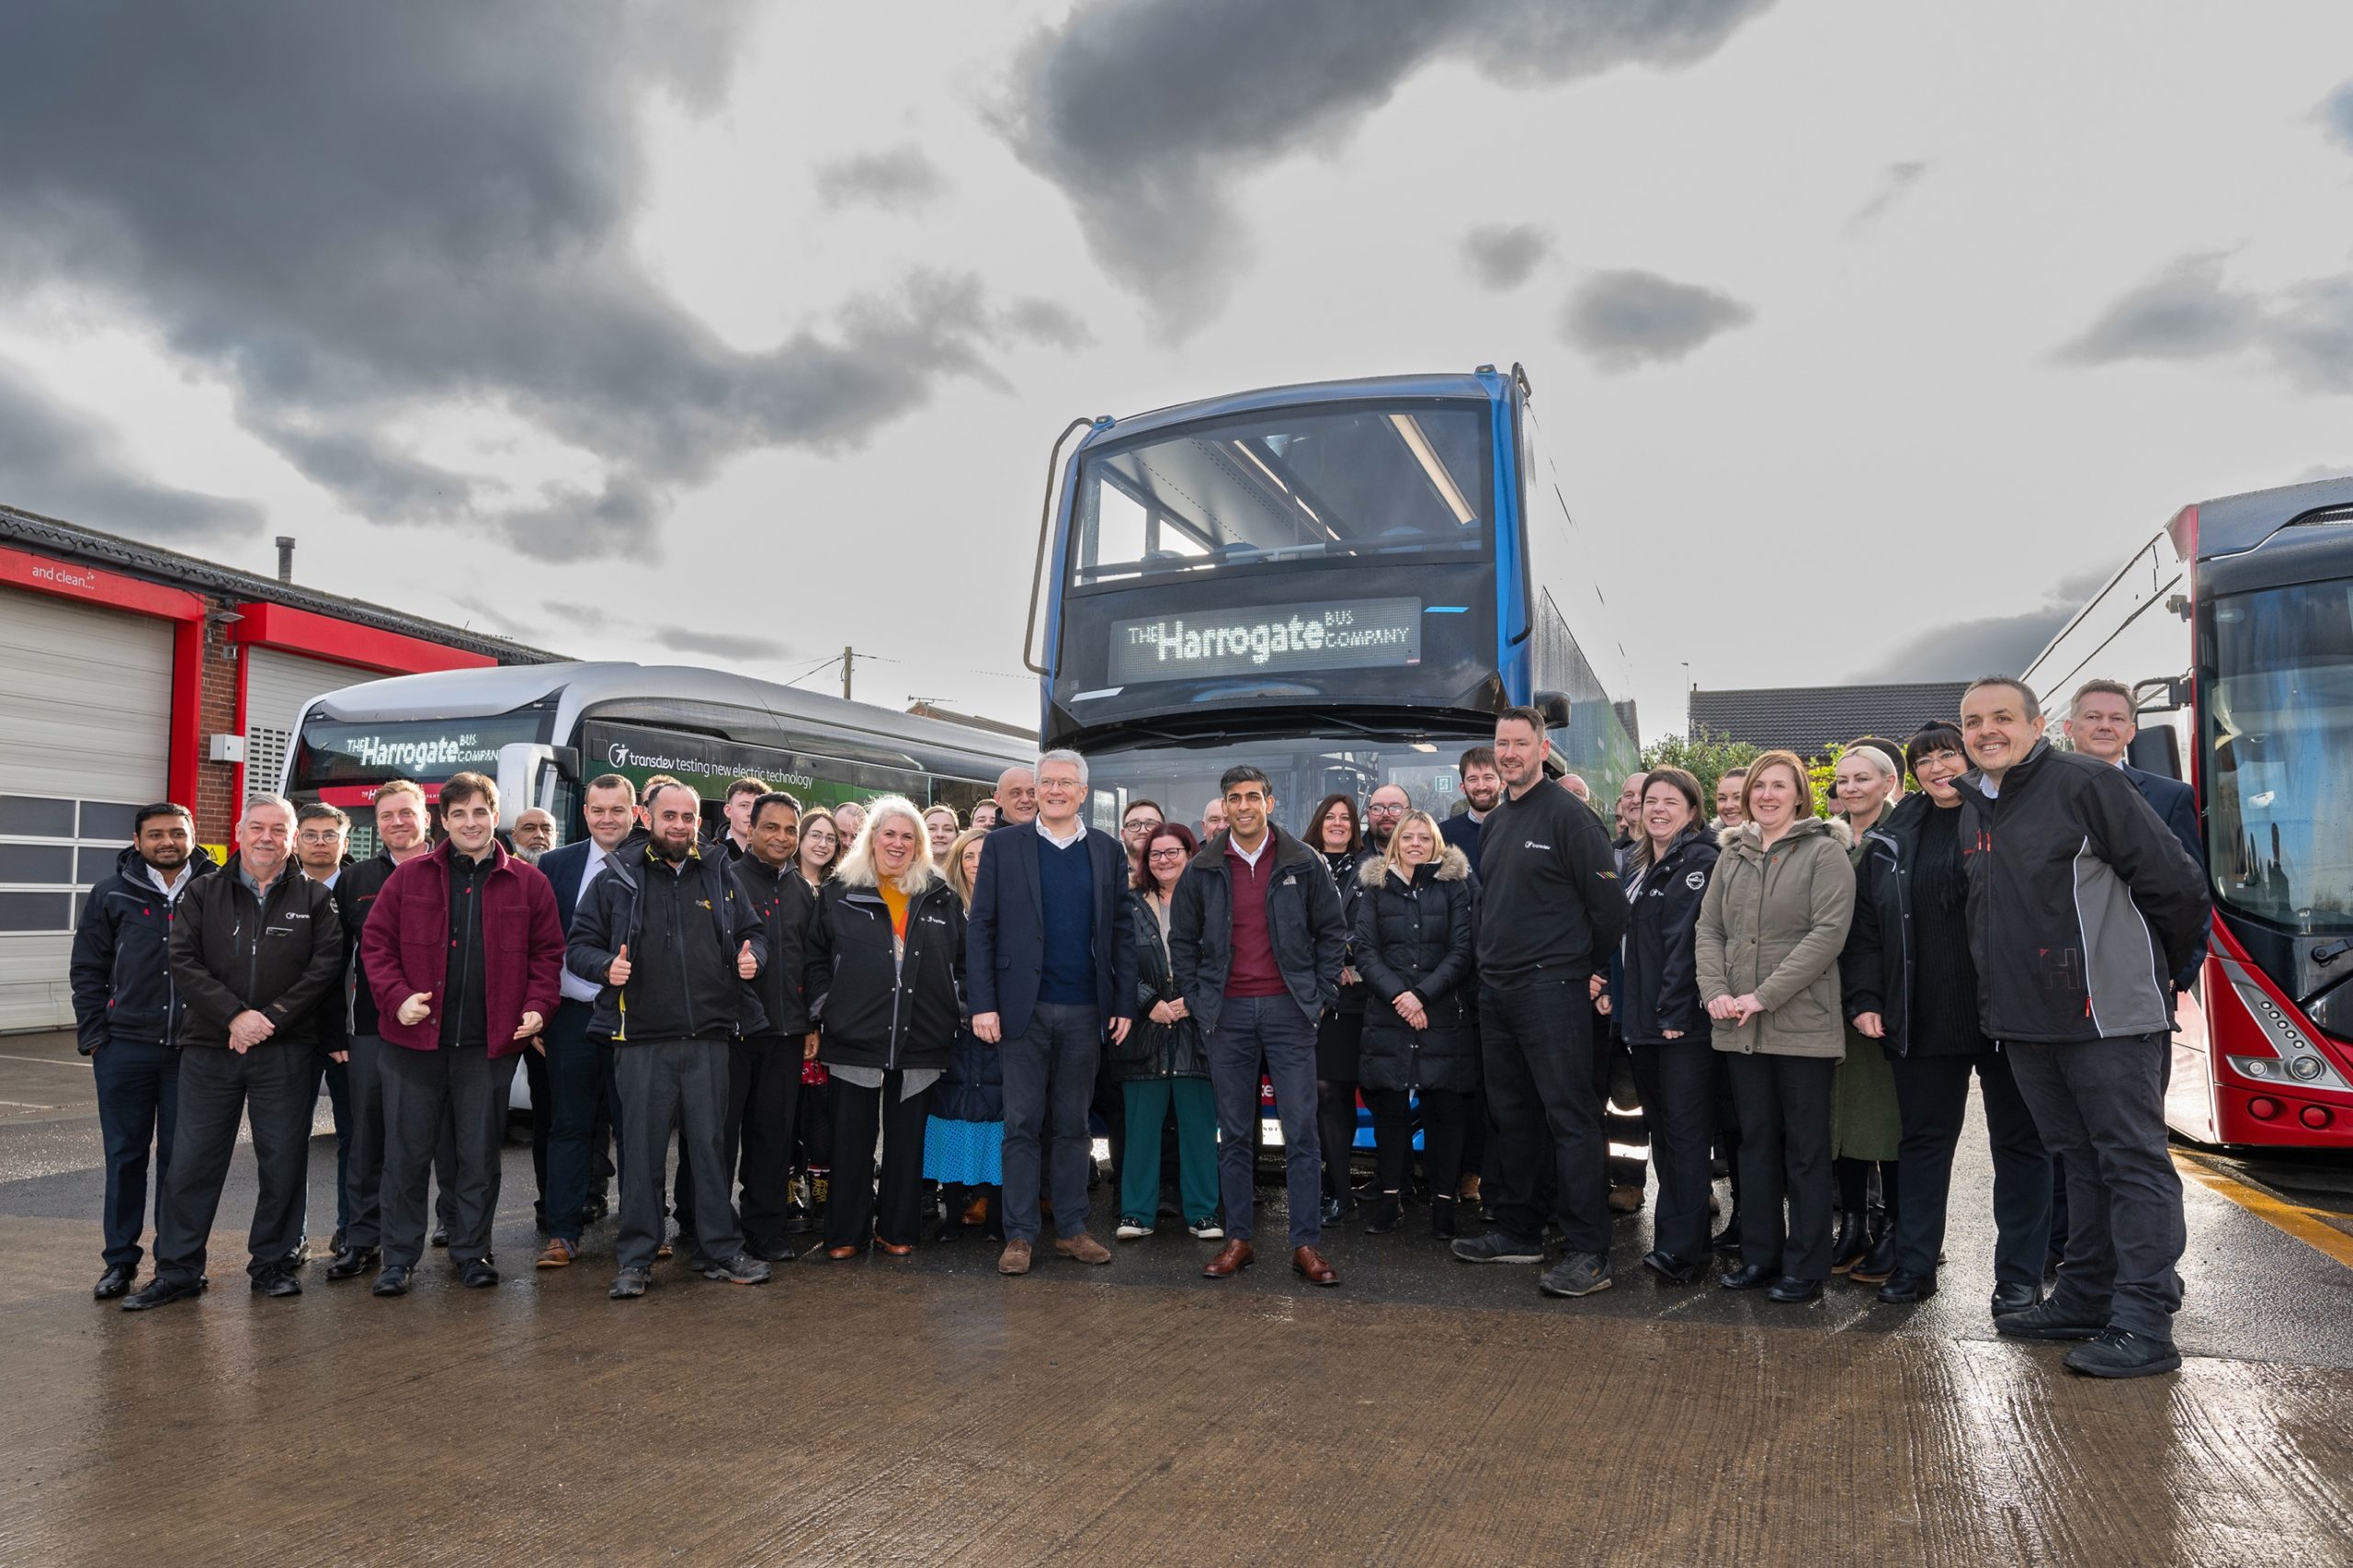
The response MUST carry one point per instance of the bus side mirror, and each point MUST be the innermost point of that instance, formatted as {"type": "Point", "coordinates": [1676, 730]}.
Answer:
{"type": "Point", "coordinates": [1555, 706]}
{"type": "Point", "coordinates": [519, 763]}
{"type": "Point", "coordinates": [2167, 694]}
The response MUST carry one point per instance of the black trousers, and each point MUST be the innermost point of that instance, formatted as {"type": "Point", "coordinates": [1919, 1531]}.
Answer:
{"type": "Point", "coordinates": [271, 1085]}
{"type": "Point", "coordinates": [853, 1214]}
{"type": "Point", "coordinates": [1621, 1105]}
{"type": "Point", "coordinates": [763, 1095]}
{"type": "Point", "coordinates": [535, 1071]}
{"type": "Point", "coordinates": [1477, 1135]}
{"type": "Point", "coordinates": [364, 1170]}
{"type": "Point", "coordinates": [139, 1088]}
{"type": "Point", "coordinates": [1932, 1095]}
{"type": "Point", "coordinates": [1538, 1045]}
{"type": "Point", "coordinates": [1784, 1160]}
{"type": "Point", "coordinates": [1446, 1123]}
{"type": "Point", "coordinates": [1679, 1089]}
{"type": "Point", "coordinates": [426, 1092]}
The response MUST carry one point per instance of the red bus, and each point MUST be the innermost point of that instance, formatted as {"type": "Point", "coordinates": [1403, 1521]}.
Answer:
{"type": "Point", "coordinates": [2235, 628]}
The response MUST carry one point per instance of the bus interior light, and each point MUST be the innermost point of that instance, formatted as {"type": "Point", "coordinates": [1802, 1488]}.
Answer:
{"type": "Point", "coordinates": [1409, 430]}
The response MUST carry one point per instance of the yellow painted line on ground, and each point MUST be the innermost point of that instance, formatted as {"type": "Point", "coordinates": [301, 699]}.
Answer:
{"type": "Point", "coordinates": [2305, 1224]}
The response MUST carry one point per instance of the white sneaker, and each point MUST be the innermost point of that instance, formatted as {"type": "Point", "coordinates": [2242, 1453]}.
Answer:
{"type": "Point", "coordinates": [1131, 1230]}
{"type": "Point", "coordinates": [1210, 1232]}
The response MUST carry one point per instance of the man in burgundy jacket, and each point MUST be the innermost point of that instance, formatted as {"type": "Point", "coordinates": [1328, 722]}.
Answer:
{"type": "Point", "coordinates": [463, 952]}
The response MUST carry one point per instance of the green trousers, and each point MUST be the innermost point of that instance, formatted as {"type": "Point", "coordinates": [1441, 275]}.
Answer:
{"type": "Point", "coordinates": [1148, 1101]}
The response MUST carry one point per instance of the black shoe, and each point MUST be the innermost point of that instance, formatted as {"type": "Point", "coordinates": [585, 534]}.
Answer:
{"type": "Point", "coordinates": [1791, 1291]}
{"type": "Point", "coordinates": [294, 1261]}
{"type": "Point", "coordinates": [392, 1281]}
{"type": "Point", "coordinates": [352, 1262]}
{"type": "Point", "coordinates": [1904, 1288]}
{"type": "Point", "coordinates": [597, 1208]}
{"type": "Point", "coordinates": [1442, 1218]}
{"type": "Point", "coordinates": [1497, 1247]}
{"type": "Point", "coordinates": [741, 1269]}
{"type": "Point", "coordinates": [1747, 1277]}
{"type": "Point", "coordinates": [1849, 1245]}
{"type": "Point", "coordinates": [440, 1236]}
{"type": "Point", "coordinates": [336, 1244]}
{"type": "Point", "coordinates": [163, 1292]}
{"type": "Point", "coordinates": [781, 1251]}
{"type": "Point", "coordinates": [277, 1282]}
{"type": "Point", "coordinates": [2009, 1299]}
{"type": "Point", "coordinates": [2049, 1321]}
{"type": "Point", "coordinates": [1672, 1269]}
{"type": "Point", "coordinates": [1578, 1274]}
{"type": "Point", "coordinates": [630, 1284]}
{"type": "Point", "coordinates": [479, 1275]}
{"type": "Point", "coordinates": [1878, 1263]}
{"type": "Point", "coordinates": [1386, 1212]}
{"type": "Point", "coordinates": [116, 1281]}
{"type": "Point", "coordinates": [795, 1222]}
{"type": "Point", "coordinates": [2120, 1353]}
{"type": "Point", "coordinates": [1727, 1238]}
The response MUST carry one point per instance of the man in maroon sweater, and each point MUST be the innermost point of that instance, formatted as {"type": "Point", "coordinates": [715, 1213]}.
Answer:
{"type": "Point", "coordinates": [463, 952]}
{"type": "Point", "coordinates": [1256, 942]}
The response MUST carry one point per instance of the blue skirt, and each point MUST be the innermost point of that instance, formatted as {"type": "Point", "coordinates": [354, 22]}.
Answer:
{"type": "Point", "coordinates": [971, 1153]}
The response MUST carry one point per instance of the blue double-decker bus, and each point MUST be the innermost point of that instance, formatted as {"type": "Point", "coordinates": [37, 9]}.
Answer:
{"type": "Point", "coordinates": [1341, 583]}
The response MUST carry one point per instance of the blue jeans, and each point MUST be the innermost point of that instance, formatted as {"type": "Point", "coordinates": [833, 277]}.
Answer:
{"type": "Point", "coordinates": [1053, 1059]}
{"type": "Point", "coordinates": [580, 1083]}
{"type": "Point", "coordinates": [1277, 1030]}
{"type": "Point", "coordinates": [138, 1095]}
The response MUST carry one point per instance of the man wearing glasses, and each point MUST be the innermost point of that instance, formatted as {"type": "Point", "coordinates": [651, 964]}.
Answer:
{"type": "Point", "coordinates": [1383, 813]}
{"type": "Point", "coordinates": [1137, 825]}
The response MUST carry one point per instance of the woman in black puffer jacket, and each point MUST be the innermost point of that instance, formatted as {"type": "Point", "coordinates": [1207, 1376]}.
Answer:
{"type": "Point", "coordinates": [1415, 937]}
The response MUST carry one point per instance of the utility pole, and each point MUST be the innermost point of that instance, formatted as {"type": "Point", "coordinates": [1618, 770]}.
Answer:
{"type": "Point", "coordinates": [849, 656]}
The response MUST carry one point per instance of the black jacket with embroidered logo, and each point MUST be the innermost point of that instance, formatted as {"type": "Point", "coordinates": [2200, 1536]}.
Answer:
{"type": "Point", "coordinates": [279, 955]}
{"type": "Point", "coordinates": [785, 904]}
{"type": "Point", "coordinates": [121, 968]}
{"type": "Point", "coordinates": [683, 982]}
{"type": "Point", "coordinates": [876, 1005]}
{"type": "Point", "coordinates": [1661, 988]}
{"type": "Point", "coordinates": [1550, 905]}
{"type": "Point", "coordinates": [2082, 903]}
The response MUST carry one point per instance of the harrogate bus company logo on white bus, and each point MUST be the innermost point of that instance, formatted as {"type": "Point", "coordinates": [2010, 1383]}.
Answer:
{"type": "Point", "coordinates": [416, 757]}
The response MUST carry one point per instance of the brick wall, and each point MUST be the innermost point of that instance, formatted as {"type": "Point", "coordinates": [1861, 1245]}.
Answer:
{"type": "Point", "coordinates": [216, 783]}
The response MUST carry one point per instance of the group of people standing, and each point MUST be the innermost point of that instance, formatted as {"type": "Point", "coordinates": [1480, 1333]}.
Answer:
{"type": "Point", "coordinates": [1808, 995]}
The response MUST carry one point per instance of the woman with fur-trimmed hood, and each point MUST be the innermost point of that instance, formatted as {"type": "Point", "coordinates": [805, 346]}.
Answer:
{"type": "Point", "coordinates": [885, 960]}
{"type": "Point", "coordinates": [1415, 933]}
{"type": "Point", "coordinates": [1771, 926]}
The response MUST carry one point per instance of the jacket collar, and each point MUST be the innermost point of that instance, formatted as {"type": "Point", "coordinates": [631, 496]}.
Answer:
{"type": "Point", "coordinates": [1288, 849]}
{"type": "Point", "coordinates": [1749, 839]}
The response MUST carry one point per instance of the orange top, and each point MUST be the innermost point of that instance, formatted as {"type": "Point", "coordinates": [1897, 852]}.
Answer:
{"type": "Point", "coordinates": [898, 903]}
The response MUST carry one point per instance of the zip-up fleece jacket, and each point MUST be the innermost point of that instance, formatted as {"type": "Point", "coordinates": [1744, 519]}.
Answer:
{"type": "Point", "coordinates": [280, 955]}
{"type": "Point", "coordinates": [1773, 922]}
{"type": "Point", "coordinates": [406, 949]}
{"type": "Point", "coordinates": [356, 891]}
{"type": "Point", "coordinates": [611, 916]}
{"type": "Point", "coordinates": [1660, 990]}
{"type": "Point", "coordinates": [879, 1005]}
{"type": "Point", "coordinates": [785, 904]}
{"type": "Point", "coordinates": [1304, 926]}
{"type": "Point", "coordinates": [2082, 903]}
{"type": "Point", "coordinates": [122, 969]}
{"type": "Point", "coordinates": [1550, 905]}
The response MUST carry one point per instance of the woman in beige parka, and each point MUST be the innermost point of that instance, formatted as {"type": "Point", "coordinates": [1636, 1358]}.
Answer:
{"type": "Point", "coordinates": [1770, 929]}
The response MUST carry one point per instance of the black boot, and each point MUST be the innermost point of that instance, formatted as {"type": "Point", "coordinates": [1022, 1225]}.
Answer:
{"type": "Point", "coordinates": [1878, 1263]}
{"type": "Point", "coordinates": [1727, 1238]}
{"type": "Point", "coordinates": [1848, 1245]}
{"type": "Point", "coordinates": [1442, 1218]}
{"type": "Point", "coordinates": [1386, 1212]}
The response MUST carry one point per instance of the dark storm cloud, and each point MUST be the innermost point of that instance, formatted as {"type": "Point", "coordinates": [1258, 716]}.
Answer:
{"type": "Point", "coordinates": [2191, 311]}
{"type": "Point", "coordinates": [1893, 182]}
{"type": "Point", "coordinates": [588, 620]}
{"type": "Point", "coordinates": [1047, 323]}
{"type": "Point", "coordinates": [2185, 312]}
{"type": "Point", "coordinates": [1147, 112]}
{"type": "Point", "coordinates": [2003, 644]}
{"type": "Point", "coordinates": [63, 464]}
{"type": "Point", "coordinates": [352, 211]}
{"type": "Point", "coordinates": [900, 177]}
{"type": "Point", "coordinates": [1627, 318]}
{"type": "Point", "coordinates": [1504, 256]}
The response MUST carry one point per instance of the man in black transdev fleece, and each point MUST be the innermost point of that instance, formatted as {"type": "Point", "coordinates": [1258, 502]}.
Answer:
{"type": "Point", "coordinates": [677, 947]}
{"type": "Point", "coordinates": [2082, 906]}
{"type": "Point", "coordinates": [127, 1020]}
{"type": "Point", "coordinates": [254, 951]}
{"type": "Point", "coordinates": [764, 1068]}
{"type": "Point", "coordinates": [1550, 911]}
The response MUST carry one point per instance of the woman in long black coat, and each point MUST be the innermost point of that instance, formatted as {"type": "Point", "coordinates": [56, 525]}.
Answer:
{"type": "Point", "coordinates": [1415, 937]}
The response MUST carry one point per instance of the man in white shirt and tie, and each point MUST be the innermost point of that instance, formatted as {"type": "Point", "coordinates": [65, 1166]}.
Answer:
{"type": "Point", "coordinates": [580, 1066]}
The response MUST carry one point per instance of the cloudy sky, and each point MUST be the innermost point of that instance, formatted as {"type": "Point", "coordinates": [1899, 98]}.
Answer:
{"type": "Point", "coordinates": [1867, 336]}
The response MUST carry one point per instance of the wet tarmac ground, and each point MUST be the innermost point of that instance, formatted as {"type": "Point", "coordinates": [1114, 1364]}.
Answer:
{"type": "Point", "coordinates": [926, 1411]}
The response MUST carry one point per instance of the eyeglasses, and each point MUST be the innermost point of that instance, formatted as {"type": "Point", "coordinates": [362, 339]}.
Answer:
{"type": "Point", "coordinates": [1384, 810]}
{"type": "Point", "coordinates": [1167, 855]}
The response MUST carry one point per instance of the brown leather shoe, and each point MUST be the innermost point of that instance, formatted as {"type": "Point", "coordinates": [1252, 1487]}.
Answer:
{"type": "Point", "coordinates": [839, 1253]}
{"type": "Point", "coordinates": [976, 1212]}
{"type": "Point", "coordinates": [1015, 1258]}
{"type": "Point", "coordinates": [1081, 1248]}
{"type": "Point", "coordinates": [1307, 1261]}
{"type": "Point", "coordinates": [558, 1254]}
{"type": "Point", "coordinates": [1231, 1259]}
{"type": "Point", "coordinates": [1625, 1200]}
{"type": "Point", "coordinates": [894, 1249]}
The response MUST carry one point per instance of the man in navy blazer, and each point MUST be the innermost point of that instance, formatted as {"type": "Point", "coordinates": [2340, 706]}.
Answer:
{"type": "Point", "coordinates": [1051, 968]}
{"type": "Point", "coordinates": [580, 1068]}
{"type": "Point", "coordinates": [2101, 724]}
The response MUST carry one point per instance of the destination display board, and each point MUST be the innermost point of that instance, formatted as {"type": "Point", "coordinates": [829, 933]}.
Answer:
{"type": "Point", "coordinates": [1268, 639]}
